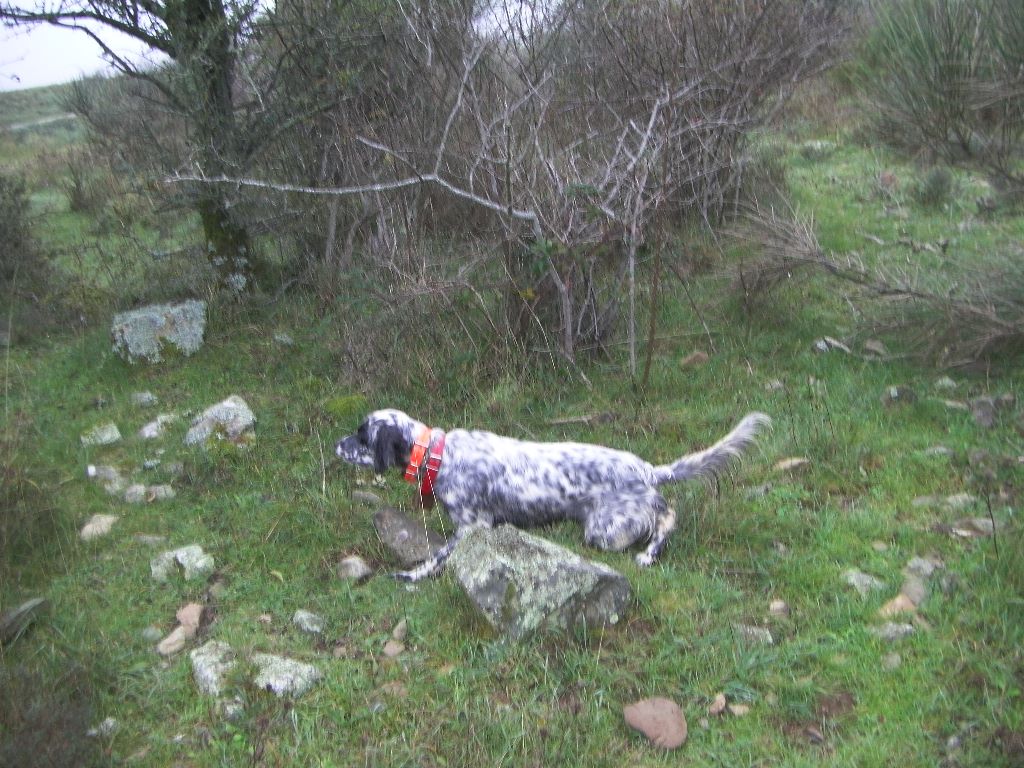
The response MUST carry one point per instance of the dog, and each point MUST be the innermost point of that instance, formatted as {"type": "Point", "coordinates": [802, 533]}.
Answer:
{"type": "Point", "coordinates": [485, 479]}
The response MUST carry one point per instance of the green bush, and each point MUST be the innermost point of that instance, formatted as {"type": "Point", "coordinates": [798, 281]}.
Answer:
{"type": "Point", "coordinates": [945, 76]}
{"type": "Point", "coordinates": [935, 188]}
{"type": "Point", "coordinates": [16, 246]}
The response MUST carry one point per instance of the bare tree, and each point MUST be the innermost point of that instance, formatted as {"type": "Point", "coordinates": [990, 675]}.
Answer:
{"type": "Point", "coordinates": [576, 128]}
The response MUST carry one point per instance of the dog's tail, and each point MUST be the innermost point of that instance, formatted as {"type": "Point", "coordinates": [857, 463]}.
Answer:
{"type": "Point", "coordinates": [712, 461]}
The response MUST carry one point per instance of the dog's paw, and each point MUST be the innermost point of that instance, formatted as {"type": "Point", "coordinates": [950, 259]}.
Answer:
{"type": "Point", "coordinates": [644, 560]}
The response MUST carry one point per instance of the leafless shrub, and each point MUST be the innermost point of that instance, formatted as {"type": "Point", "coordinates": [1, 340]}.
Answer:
{"type": "Point", "coordinates": [954, 320]}
{"type": "Point", "coordinates": [564, 134]}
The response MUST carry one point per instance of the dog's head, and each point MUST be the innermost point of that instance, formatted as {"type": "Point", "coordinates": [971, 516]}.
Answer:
{"type": "Point", "coordinates": [383, 440]}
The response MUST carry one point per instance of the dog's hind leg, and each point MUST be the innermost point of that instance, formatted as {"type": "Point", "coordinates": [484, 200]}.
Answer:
{"type": "Point", "coordinates": [665, 523]}
{"type": "Point", "coordinates": [616, 520]}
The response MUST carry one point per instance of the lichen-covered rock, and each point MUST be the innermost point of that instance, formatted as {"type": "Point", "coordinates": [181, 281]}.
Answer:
{"type": "Point", "coordinates": [230, 419]}
{"type": "Point", "coordinates": [211, 663]}
{"type": "Point", "coordinates": [192, 560]}
{"type": "Point", "coordinates": [522, 583]}
{"type": "Point", "coordinates": [142, 334]}
{"type": "Point", "coordinates": [285, 677]}
{"type": "Point", "coordinates": [102, 434]}
{"type": "Point", "coordinates": [98, 525]}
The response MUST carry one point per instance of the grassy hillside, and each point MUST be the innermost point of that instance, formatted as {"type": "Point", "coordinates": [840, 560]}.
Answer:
{"type": "Point", "coordinates": [278, 516]}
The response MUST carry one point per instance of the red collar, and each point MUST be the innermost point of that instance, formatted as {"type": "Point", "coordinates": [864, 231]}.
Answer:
{"type": "Point", "coordinates": [429, 445]}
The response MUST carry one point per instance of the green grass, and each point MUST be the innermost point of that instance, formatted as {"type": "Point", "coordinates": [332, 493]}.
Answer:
{"type": "Point", "coordinates": [278, 515]}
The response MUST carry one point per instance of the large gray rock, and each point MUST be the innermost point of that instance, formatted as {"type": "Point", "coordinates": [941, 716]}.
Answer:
{"type": "Point", "coordinates": [522, 583]}
{"type": "Point", "coordinates": [230, 419]}
{"type": "Point", "coordinates": [407, 539]}
{"type": "Point", "coordinates": [211, 664]}
{"type": "Point", "coordinates": [284, 676]}
{"type": "Point", "coordinates": [144, 334]}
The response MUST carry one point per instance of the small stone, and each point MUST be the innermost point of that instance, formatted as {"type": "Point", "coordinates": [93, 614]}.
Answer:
{"type": "Point", "coordinates": [110, 477]}
{"type": "Point", "coordinates": [400, 631]}
{"type": "Point", "coordinates": [308, 622]}
{"type": "Point", "coordinates": [189, 617]}
{"type": "Point", "coordinates": [945, 384]}
{"type": "Point", "coordinates": [265, 618]}
{"type": "Point", "coordinates": [231, 419]}
{"type": "Point", "coordinates": [174, 642]}
{"type": "Point", "coordinates": [284, 339]}
{"type": "Point", "coordinates": [233, 709]}
{"type": "Point", "coordinates": [791, 464]}
{"type": "Point", "coordinates": [283, 676]}
{"type": "Point", "coordinates": [879, 546]}
{"type": "Point", "coordinates": [393, 648]}
{"type": "Point", "coordinates": [150, 464]}
{"type": "Point", "coordinates": [102, 434]}
{"type": "Point", "coordinates": [368, 498]}
{"type": "Point", "coordinates": [920, 566]}
{"type": "Point", "coordinates": [914, 589]}
{"type": "Point", "coordinates": [864, 583]}
{"type": "Point", "coordinates": [891, 661]}
{"type": "Point", "coordinates": [827, 343]}
{"type": "Point", "coordinates": [135, 494]}
{"type": "Point", "coordinates": [704, 723]}
{"type": "Point", "coordinates": [926, 501]}
{"type": "Point", "coordinates": [778, 608]}
{"type": "Point", "coordinates": [898, 395]}
{"type": "Point", "coordinates": [717, 705]}
{"type": "Point", "coordinates": [659, 719]}
{"type": "Point", "coordinates": [775, 385]}
{"type": "Point", "coordinates": [899, 604]}
{"type": "Point", "coordinates": [98, 525]}
{"type": "Point", "coordinates": [940, 450]}
{"type": "Point", "coordinates": [983, 409]}
{"type": "Point", "coordinates": [151, 634]}
{"type": "Point", "coordinates": [160, 493]}
{"type": "Point", "coordinates": [891, 632]}
{"type": "Point", "coordinates": [739, 710]}
{"type": "Point", "coordinates": [191, 559]}
{"type": "Point", "coordinates": [156, 428]}
{"type": "Point", "coordinates": [355, 568]}
{"type": "Point", "coordinates": [956, 405]}
{"type": "Point", "coordinates": [144, 399]}
{"type": "Point", "coordinates": [754, 635]}
{"type": "Point", "coordinates": [694, 359]}
{"type": "Point", "coordinates": [211, 663]}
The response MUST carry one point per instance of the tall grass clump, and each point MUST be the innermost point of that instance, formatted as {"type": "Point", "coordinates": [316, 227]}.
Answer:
{"type": "Point", "coordinates": [946, 76]}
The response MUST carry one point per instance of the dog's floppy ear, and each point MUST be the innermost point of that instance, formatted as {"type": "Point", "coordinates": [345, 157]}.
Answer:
{"type": "Point", "coordinates": [389, 449]}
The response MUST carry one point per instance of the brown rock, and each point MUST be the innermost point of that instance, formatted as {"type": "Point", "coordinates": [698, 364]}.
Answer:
{"type": "Point", "coordinates": [899, 604]}
{"type": "Point", "coordinates": [393, 648]}
{"type": "Point", "coordinates": [659, 719]}
{"type": "Point", "coordinates": [717, 706]}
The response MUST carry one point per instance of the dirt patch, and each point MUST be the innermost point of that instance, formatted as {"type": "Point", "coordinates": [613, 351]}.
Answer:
{"type": "Point", "coordinates": [832, 706]}
{"type": "Point", "coordinates": [1010, 743]}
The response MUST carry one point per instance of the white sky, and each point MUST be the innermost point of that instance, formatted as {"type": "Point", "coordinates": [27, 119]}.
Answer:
{"type": "Point", "coordinates": [44, 55]}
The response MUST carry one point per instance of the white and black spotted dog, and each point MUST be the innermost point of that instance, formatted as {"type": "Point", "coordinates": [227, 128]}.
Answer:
{"type": "Point", "coordinates": [486, 479]}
